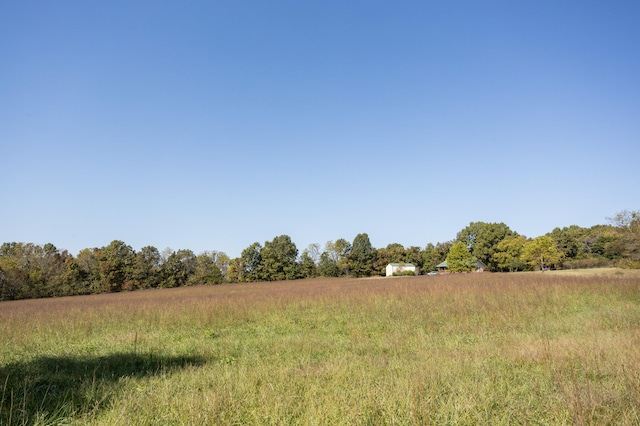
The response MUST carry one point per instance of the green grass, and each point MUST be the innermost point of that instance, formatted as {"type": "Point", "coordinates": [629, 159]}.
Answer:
{"type": "Point", "coordinates": [457, 349]}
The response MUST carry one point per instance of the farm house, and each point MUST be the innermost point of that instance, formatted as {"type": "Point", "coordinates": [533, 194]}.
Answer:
{"type": "Point", "coordinates": [401, 268]}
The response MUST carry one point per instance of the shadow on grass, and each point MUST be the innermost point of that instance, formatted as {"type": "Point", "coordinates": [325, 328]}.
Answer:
{"type": "Point", "coordinates": [49, 389]}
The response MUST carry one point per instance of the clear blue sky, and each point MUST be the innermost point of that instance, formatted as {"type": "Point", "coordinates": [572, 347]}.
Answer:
{"type": "Point", "coordinates": [209, 125]}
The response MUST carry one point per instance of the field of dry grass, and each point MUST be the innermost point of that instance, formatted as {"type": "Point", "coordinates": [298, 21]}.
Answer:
{"type": "Point", "coordinates": [600, 272]}
{"type": "Point", "coordinates": [539, 348]}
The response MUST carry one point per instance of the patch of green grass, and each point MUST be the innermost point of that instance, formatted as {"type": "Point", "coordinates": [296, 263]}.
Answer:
{"type": "Point", "coordinates": [458, 349]}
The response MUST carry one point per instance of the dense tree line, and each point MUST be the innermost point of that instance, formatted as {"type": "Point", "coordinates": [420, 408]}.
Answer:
{"type": "Point", "coordinates": [32, 271]}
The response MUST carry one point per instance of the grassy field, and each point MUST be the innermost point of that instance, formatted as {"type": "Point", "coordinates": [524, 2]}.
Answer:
{"type": "Point", "coordinates": [596, 272]}
{"type": "Point", "coordinates": [456, 349]}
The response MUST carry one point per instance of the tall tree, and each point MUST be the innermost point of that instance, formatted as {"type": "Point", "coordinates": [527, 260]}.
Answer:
{"type": "Point", "coordinates": [146, 269]}
{"type": "Point", "coordinates": [314, 252]}
{"type": "Point", "coordinates": [52, 265]}
{"type": "Point", "coordinates": [234, 271]}
{"type": "Point", "coordinates": [116, 267]}
{"type": "Point", "coordinates": [309, 261]}
{"type": "Point", "coordinates": [541, 252]}
{"type": "Point", "coordinates": [3, 281]}
{"type": "Point", "coordinates": [72, 281]}
{"type": "Point", "coordinates": [605, 241]}
{"type": "Point", "coordinates": [482, 238]}
{"type": "Point", "coordinates": [178, 268]}
{"type": "Point", "coordinates": [570, 241]}
{"type": "Point", "coordinates": [206, 272]}
{"type": "Point", "coordinates": [338, 252]}
{"type": "Point", "coordinates": [413, 254]}
{"type": "Point", "coordinates": [626, 219]}
{"type": "Point", "coordinates": [250, 261]}
{"type": "Point", "coordinates": [628, 223]}
{"type": "Point", "coordinates": [13, 279]}
{"type": "Point", "coordinates": [392, 253]}
{"type": "Point", "coordinates": [434, 255]}
{"type": "Point", "coordinates": [460, 258]}
{"type": "Point", "coordinates": [429, 258]}
{"type": "Point", "coordinates": [278, 259]}
{"type": "Point", "coordinates": [222, 261]}
{"type": "Point", "coordinates": [30, 271]}
{"type": "Point", "coordinates": [508, 254]}
{"type": "Point", "coordinates": [308, 268]}
{"type": "Point", "coordinates": [362, 256]}
{"type": "Point", "coordinates": [397, 253]}
{"type": "Point", "coordinates": [327, 267]}
{"type": "Point", "coordinates": [89, 269]}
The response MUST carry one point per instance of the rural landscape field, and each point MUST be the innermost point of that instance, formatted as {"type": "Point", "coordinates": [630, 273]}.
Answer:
{"type": "Point", "coordinates": [319, 213]}
{"type": "Point", "coordinates": [520, 348]}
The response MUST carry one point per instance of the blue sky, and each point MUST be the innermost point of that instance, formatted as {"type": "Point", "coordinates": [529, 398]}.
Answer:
{"type": "Point", "coordinates": [209, 125]}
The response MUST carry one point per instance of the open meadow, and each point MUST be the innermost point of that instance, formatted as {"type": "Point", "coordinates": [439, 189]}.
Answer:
{"type": "Point", "coordinates": [519, 348]}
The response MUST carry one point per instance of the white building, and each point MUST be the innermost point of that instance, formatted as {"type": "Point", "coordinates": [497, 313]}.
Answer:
{"type": "Point", "coordinates": [401, 268]}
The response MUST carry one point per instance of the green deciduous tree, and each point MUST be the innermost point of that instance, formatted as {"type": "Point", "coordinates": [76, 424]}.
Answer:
{"type": "Point", "coordinates": [628, 224]}
{"type": "Point", "coordinates": [626, 219]}
{"type": "Point", "coordinates": [3, 281]}
{"type": "Point", "coordinates": [278, 259]}
{"type": "Point", "coordinates": [13, 272]}
{"type": "Point", "coordinates": [434, 255]}
{"type": "Point", "coordinates": [570, 241]}
{"type": "Point", "coordinates": [52, 264]}
{"type": "Point", "coordinates": [31, 271]}
{"type": "Point", "coordinates": [89, 269]}
{"type": "Point", "coordinates": [605, 241]}
{"type": "Point", "coordinates": [206, 271]}
{"type": "Point", "coordinates": [308, 268]}
{"type": "Point", "coordinates": [362, 256]}
{"type": "Point", "coordinates": [541, 252]}
{"type": "Point", "coordinates": [393, 253]}
{"type": "Point", "coordinates": [460, 258]}
{"type": "Point", "coordinates": [507, 256]}
{"type": "Point", "coordinates": [146, 269]}
{"type": "Point", "coordinates": [482, 238]}
{"type": "Point", "coordinates": [338, 252]}
{"type": "Point", "coordinates": [178, 268]}
{"type": "Point", "coordinates": [115, 263]}
{"type": "Point", "coordinates": [71, 282]}
{"type": "Point", "coordinates": [250, 261]}
{"type": "Point", "coordinates": [413, 254]}
{"type": "Point", "coordinates": [309, 261]}
{"type": "Point", "coordinates": [397, 253]}
{"type": "Point", "coordinates": [222, 261]}
{"type": "Point", "coordinates": [234, 271]}
{"type": "Point", "coordinates": [327, 267]}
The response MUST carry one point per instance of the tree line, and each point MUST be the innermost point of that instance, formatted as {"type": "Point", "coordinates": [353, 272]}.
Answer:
{"type": "Point", "coordinates": [31, 271]}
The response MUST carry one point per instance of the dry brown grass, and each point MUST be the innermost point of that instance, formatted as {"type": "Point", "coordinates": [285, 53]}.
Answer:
{"type": "Point", "coordinates": [465, 349]}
